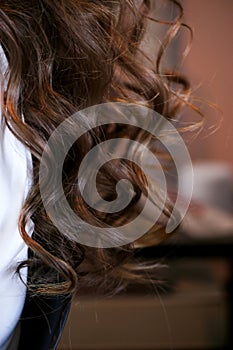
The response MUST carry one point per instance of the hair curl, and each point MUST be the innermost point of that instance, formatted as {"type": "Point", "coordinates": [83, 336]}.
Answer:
{"type": "Point", "coordinates": [63, 56]}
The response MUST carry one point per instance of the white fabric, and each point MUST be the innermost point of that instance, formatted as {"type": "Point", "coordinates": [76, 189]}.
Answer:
{"type": "Point", "coordinates": [15, 165]}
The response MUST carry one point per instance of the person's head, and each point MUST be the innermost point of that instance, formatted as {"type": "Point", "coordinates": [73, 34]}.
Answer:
{"type": "Point", "coordinates": [64, 56]}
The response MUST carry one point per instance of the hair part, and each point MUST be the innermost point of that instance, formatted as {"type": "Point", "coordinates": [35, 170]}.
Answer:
{"type": "Point", "coordinates": [64, 56]}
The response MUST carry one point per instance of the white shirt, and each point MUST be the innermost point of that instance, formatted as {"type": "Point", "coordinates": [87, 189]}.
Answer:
{"type": "Point", "coordinates": [15, 168]}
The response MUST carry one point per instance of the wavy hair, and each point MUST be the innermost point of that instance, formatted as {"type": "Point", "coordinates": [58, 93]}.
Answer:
{"type": "Point", "coordinates": [64, 56]}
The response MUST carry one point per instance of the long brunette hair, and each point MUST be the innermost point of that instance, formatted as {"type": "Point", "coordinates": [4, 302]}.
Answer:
{"type": "Point", "coordinates": [63, 56]}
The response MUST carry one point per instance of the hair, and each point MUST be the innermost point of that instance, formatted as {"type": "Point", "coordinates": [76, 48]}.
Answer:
{"type": "Point", "coordinates": [64, 56]}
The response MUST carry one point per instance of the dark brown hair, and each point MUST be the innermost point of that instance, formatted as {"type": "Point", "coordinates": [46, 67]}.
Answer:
{"type": "Point", "coordinates": [63, 56]}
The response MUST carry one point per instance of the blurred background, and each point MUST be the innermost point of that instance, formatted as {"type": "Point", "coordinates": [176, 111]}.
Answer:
{"type": "Point", "coordinates": [209, 65]}
{"type": "Point", "coordinates": [192, 308]}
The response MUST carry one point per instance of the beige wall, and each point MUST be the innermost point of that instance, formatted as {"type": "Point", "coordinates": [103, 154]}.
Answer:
{"type": "Point", "coordinates": [210, 63]}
